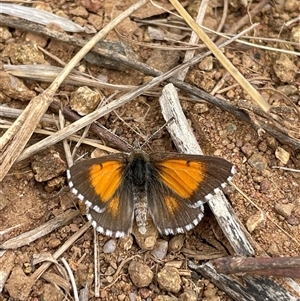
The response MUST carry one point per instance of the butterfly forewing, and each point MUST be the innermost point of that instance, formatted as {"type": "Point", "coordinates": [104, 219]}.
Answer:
{"type": "Point", "coordinates": [192, 177]}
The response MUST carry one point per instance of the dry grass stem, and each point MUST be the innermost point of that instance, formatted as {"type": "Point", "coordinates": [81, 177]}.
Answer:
{"type": "Point", "coordinates": [222, 58]}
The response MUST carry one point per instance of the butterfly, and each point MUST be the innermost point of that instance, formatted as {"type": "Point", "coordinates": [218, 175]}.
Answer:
{"type": "Point", "coordinates": [170, 187]}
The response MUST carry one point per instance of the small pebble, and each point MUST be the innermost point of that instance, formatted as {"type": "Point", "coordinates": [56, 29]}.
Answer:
{"type": "Point", "coordinates": [284, 210]}
{"type": "Point", "coordinates": [169, 280]}
{"type": "Point", "coordinates": [247, 149]}
{"type": "Point", "coordinates": [258, 161]}
{"type": "Point", "coordinates": [126, 242]}
{"type": "Point", "coordinates": [51, 292]}
{"type": "Point", "coordinates": [273, 249]}
{"type": "Point", "coordinates": [109, 246]}
{"type": "Point", "coordinates": [254, 221]}
{"type": "Point", "coordinates": [53, 243]}
{"type": "Point", "coordinates": [176, 243]}
{"type": "Point", "coordinates": [188, 296]}
{"type": "Point", "coordinates": [145, 292]}
{"type": "Point", "coordinates": [160, 249]}
{"type": "Point", "coordinates": [272, 142]}
{"type": "Point", "coordinates": [282, 155]}
{"type": "Point", "coordinates": [140, 274]}
{"type": "Point", "coordinates": [48, 165]}
{"type": "Point", "coordinates": [84, 100]}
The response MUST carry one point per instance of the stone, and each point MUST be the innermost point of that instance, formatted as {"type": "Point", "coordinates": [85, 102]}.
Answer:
{"type": "Point", "coordinates": [188, 296]}
{"type": "Point", "coordinates": [84, 100]}
{"type": "Point", "coordinates": [140, 274]}
{"type": "Point", "coordinates": [110, 246]}
{"type": "Point", "coordinates": [282, 155]}
{"type": "Point", "coordinates": [285, 69]}
{"type": "Point", "coordinates": [254, 221]}
{"type": "Point", "coordinates": [48, 165]}
{"type": "Point", "coordinates": [176, 243]}
{"type": "Point", "coordinates": [258, 161]}
{"type": "Point", "coordinates": [169, 280]}
{"type": "Point", "coordinates": [284, 210]}
{"type": "Point", "coordinates": [160, 249]}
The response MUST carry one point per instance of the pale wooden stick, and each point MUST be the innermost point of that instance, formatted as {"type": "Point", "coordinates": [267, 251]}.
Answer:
{"type": "Point", "coordinates": [194, 38]}
{"type": "Point", "coordinates": [249, 288]}
{"type": "Point", "coordinates": [72, 279]}
{"type": "Point", "coordinates": [30, 236]}
{"type": "Point", "coordinates": [14, 140]}
{"type": "Point", "coordinates": [97, 282]}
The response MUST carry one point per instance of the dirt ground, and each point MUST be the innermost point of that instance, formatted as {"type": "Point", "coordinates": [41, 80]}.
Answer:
{"type": "Point", "coordinates": [34, 191]}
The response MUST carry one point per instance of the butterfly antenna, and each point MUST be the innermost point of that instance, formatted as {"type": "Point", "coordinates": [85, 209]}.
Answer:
{"type": "Point", "coordinates": [157, 131]}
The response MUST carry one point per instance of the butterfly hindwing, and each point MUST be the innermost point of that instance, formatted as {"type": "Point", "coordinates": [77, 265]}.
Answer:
{"type": "Point", "coordinates": [101, 184]}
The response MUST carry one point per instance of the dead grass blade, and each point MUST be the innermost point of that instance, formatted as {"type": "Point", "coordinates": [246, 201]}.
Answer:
{"type": "Point", "coordinates": [221, 57]}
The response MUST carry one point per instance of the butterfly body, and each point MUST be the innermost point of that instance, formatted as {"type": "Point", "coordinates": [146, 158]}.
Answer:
{"type": "Point", "coordinates": [169, 187]}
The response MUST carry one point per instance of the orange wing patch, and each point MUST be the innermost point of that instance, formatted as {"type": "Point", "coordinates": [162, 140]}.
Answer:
{"type": "Point", "coordinates": [182, 176]}
{"type": "Point", "coordinates": [114, 207]}
{"type": "Point", "coordinates": [106, 178]}
{"type": "Point", "coordinates": [172, 204]}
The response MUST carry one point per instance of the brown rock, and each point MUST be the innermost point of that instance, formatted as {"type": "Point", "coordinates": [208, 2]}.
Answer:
{"type": "Point", "coordinates": [282, 155]}
{"type": "Point", "coordinates": [254, 221]}
{"type": "Point", "coordinates": [96, 21]}
{"type": "Point", "coordinates": [188, 296]}
{"type": "Point", "coordinates": [14, 88]}
{"type": "Point", "coordinates": [140, 274]}
{"type": "Point", "coordinates": [92, 5]}
{"type": "Point", "coordinates": [84, 100]}
{"type": "Point", "coordinates": [19, 285]}
{"type": "Point", "coordinates": [48, 165]}
{"type": "Point", "coordinates": [52, 293]}
{"type": "Point", "coordinates": [258, 161]}
{"type": "Point", "coordinates": [176, 243]}
{"type": "Point", "coordinates": [284, 210]}
{"type": "Point", "coordinates": [53, 243]}
{"type": "Point", "coordinates": [160, 249]}
{"type": "Point", "coordinates": [79, 11]}
{"type": "Point", "coordinates": [169, 280]}
{"type": "Point", "coordinates": [273, 249]}
{"type": "Point", "coordinates": [285, 69]}
{"type": "Point", "coordinates": [4, 34]}
{"type": "Point", "coordinates": [247, 149]}
{"type": "Point", "coordinates": [24, 54]}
